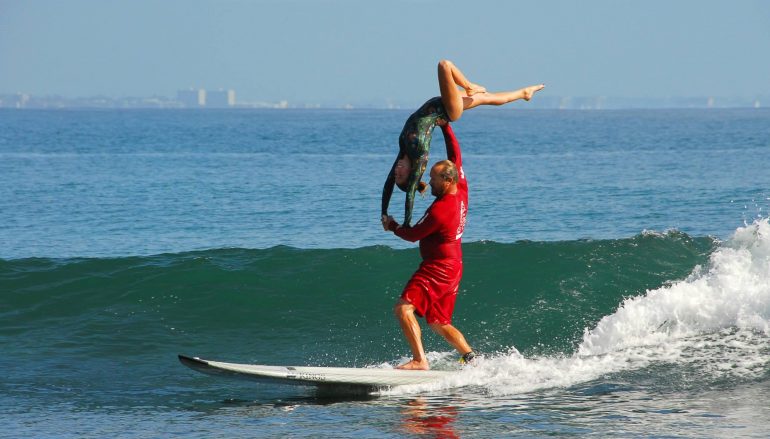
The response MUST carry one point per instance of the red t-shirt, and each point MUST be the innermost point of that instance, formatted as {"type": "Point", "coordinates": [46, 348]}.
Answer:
{"type": "Point", "coordinates": [440, 230]}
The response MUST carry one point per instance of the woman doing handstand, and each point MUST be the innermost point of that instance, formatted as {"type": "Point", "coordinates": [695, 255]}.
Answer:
{"type": "Point", "coordinates": [414, 141]}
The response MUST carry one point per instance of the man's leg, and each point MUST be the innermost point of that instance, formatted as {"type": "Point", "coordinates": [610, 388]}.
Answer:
{"type": "Point", "coordinates": [453, 336]}
{"type": "Point", "coordinates": [405, 314]}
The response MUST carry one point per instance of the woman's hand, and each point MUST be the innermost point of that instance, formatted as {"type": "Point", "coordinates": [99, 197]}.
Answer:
{"type": "Point", "coordinates": [387, 220]}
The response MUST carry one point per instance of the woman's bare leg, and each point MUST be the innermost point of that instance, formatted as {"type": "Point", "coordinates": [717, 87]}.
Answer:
{"type": "Point", "coordinates": [449, 78]}
{"type": "Point", "coordinates": [500, 98]}
{"type": "Point", "coordinates": [455, 102]}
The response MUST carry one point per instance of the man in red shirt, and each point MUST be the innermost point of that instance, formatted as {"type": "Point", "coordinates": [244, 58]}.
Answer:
{"type": "Point", "coordinates": [432, 290]}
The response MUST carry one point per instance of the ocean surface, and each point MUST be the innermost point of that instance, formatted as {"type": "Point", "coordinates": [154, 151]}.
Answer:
{"type": "Point", "coordinates": [617, 273]}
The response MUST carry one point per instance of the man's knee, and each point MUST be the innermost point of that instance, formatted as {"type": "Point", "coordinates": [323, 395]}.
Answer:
{"type": "Point", "coordinates": [403, 309]}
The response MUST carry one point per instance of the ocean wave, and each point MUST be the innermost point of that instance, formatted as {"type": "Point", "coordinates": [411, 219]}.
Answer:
{"type": "Point", "coordinates": [710, 329]}
{"type": "Point", "coordinates": [537, 296]}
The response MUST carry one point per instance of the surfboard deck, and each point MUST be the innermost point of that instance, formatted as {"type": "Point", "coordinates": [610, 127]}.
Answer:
{"type": "Point", "coordinates": [316, 376]}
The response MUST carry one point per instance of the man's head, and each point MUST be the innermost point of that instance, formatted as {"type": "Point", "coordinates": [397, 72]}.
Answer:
{"type": "Point", "coordinates": [443, 178]}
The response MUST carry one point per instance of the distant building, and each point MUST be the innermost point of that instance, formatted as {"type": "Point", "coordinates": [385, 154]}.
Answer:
{"type": "Point", "coordinates": [17, 100]}
{"type": "Point", "coordinates": [192, 98]}
{"type": "Point", "coordinates": [220, 99]}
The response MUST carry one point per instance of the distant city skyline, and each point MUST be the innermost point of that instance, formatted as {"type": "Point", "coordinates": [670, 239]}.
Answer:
{"type": "Point", "coordinates": [217, 99]}
{"type": "Point", "coordinates": [336, 52]}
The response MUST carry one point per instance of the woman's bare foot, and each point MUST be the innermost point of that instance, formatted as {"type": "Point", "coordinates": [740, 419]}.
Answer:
{"type": "Point", "coordinates": [472, 89]}
{"type": "Point", "coordinates": [415, 365]}
{"type": "Point", "coordinates": [531, 90]}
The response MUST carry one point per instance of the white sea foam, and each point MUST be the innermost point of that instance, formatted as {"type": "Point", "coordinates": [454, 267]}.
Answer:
{"type": "Point", "coordinates": [717, 319]}
{"type": "Point", "coordinates": [733, 292]}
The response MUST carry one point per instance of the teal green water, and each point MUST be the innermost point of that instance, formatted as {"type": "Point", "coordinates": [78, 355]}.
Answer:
{"type": "Point", "coordinates": [321, 306]}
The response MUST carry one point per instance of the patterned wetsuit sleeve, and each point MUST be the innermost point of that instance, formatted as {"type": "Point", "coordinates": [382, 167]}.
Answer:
{"type": "Point", "coordinates": [452, 146]}
{"type": "Point", "coordinates": [387, 190]}
{"type": "Point", "coordinates": [409, 201]}
{"type": "Point", "coordinates": [426, 226]}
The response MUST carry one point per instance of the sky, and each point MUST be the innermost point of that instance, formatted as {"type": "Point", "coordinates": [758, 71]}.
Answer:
{"type": "Point", "coordinates": [327, 51]}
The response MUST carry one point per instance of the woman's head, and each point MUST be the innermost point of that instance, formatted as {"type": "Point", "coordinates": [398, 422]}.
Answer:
{"type": "Point", "coordinates": [402, 172]}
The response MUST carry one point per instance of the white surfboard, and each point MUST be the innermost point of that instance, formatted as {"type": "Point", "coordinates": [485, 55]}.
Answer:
{"type": "Point", "coordinates": [316, 376]}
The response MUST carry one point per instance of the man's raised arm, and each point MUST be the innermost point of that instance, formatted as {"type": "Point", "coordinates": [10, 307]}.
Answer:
{"type": "Point", "coordinates": [453, 153]}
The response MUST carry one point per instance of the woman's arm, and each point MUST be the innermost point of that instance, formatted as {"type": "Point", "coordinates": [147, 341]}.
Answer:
{"type": "Point", "coordinates": [387, 190]}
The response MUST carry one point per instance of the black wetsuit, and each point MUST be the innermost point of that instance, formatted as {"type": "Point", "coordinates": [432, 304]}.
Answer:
{"type": "Point", "coordinates": [414, 142]}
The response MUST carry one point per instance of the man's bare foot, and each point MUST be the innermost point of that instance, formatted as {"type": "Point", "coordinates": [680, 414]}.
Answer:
{"type": "Point", "coordinates": [472, 89]}
{"type": "Point", "coordinates": [531, 90]}
{"type": "Point", "coordinates": [415, 365]}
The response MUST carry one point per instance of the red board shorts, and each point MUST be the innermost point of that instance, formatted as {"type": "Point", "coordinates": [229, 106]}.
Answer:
{"type": "Point", "coordinates": [432, 290]}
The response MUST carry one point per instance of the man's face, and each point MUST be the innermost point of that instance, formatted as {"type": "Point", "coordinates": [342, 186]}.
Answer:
{"type": "Point", "coordinates": [437, 183]}
{"type": "Point", "coordinates": [403, 169]}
